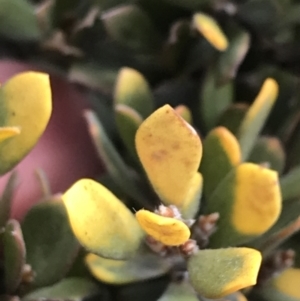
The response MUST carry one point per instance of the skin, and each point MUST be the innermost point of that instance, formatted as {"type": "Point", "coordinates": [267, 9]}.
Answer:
{"type": "Point", "coordinates": [65, 151]}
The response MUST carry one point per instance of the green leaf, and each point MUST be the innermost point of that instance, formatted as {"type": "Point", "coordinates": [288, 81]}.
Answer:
{"type": "Point", "coordinates": [179, 292]}
{"type": "Point", "coordinates": [217, 273]}
{"type": "Point", "coordinates": [75, 289]}
{"type": "Point", "coordinates": [232, 117]}
{"type": "Point", "coordinates": [185, 113]}
{"type": "Point", "coordinates": [285, 287]}
{"type": "Point", "coordinates": [214, 98]}
{"type": "Point", "coordinates": [25, 101]}
{"type": "Point", "coordinates": [17, 20]}
{"type": "Point", "coordinates": [221, 153]}
{"type": "Point", "coordinates": [249, 203]}
{"type": "Point", "coordinates": [51, 245]}
{"type": "Point", "coordinates": [143, 266]}
{"type": "Point", "coordinates": [128, 122]}
{"type": "Point", "coordinates": [268, 150]}
{"type": "Point", "coordinates": [116, 167]}
{"type": "Point", "coordinates": [132, 90]}
{"type": "Point", "coordinates": [6, 199]}
{"type": "Point", "coordinates": [131, 27]}
{"type": "Point", "coordinates": [230, 60]}
{"type": "Point", "coordinates": [289, 184]}
{"type": "Point", "coordinates": [101, 222]}
{"type": "Point", "coordinates": [256, 116]}
{"type": "Point", "coordinates": [14, 254]}
{"type": "Point", "coordinates": [210, 30]}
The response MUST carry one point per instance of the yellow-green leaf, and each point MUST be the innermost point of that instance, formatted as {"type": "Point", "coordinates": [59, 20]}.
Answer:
{"type": "Point", "coordinates": [101, 222]}
{"type": "Point", "coordinates": [169, 231]}
{"type": "Point", "coordinates": [185, 113]}
{"type": "Point", "coordinates": [285, 287]}
{"type": "Point", "coordinates": [128, 121]}
{"type": "Point", "coordinates": [217, 273]}
{"type": "Point", "coordinates": [25, 102]}
{"type": "Point", "coordinates": [170, 151]}
{"type": "Point", "coordinates": [191, 204]}
{"type": "Point", "coordinates": [143, 266]}
{"type": "Point", "coordinates": [232, 117]}
{"type": "Point", "coordinates": [257, 115]}
{"type": "Point", "coordinates": [8, 132]}
{"type": "Point", "coordinates": [133, 91]}
{"type": "Point", "coordinates": [221, 153]}
{"type": "Point", "coordinates": [211, 31]}
{"type": "Point", "coordinates": [249, 203]}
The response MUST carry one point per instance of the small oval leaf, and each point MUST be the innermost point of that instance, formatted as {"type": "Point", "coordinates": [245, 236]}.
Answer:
{"type": "Point", "coordinates": [51, 245]}
{"type": "Point", "coordinates": [101, 222]}
{"type": "Point", "coordinates": [268, 150]}
{"type": "Point", "coordinates": [249, 203]}
{"type": "Point", "coordinates": [128, 121]}
{"type": "Point", "coordinates": [217, 273]}
{"type": "Point", "coordinates": [133, 91]}
{"type": "Point", "coordinates": [25, 102]}
{"type": "Point", "coordinates": [167, 230]}
{"type": "Point", "coordinates": [170, 151]}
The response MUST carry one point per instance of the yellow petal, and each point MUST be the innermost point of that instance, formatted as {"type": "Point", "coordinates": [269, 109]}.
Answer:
{"type": "Point", "coordinates": [167, 230]}
{"type": "Point", "coordinates": [258, 199]}
{"type": "Point", "coordinates": [8, 132]}
{"type": "Point", "coordinates": [211, 31]}
{"type": "Point", "coordinates": [100, 221]}
{"type": "Point", "coordinates": [170, 151]}
{"type": "Point", "coordinates": [218, 273]}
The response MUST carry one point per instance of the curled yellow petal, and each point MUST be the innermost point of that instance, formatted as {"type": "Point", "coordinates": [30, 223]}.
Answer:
{"type": "Point", "coordinates": [170, 151]}
{"type": "Point", "coordinates": [210, 29]}
{"type": "Point", "coordinates": [167, 230]}
{"type": "Point", "coordinates": [218, 273]}
{"type": "Point", "coordinates": [8, 132]}
{"type": "Point", "coordinates": [257, 203]}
